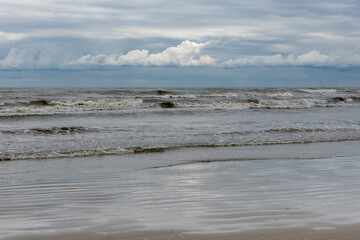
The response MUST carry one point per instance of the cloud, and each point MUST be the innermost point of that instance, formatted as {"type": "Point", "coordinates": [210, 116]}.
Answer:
{"type": "Point", "coordinates": [14, 59]}
{"type": "Point", "coordinates": [21, 59]}
{"type": "Point", "coordinates": [184, 55]}
{"type": "Point", "coordinates": [35, 56]}
{"type": "Point", "coordinates": [253, 28]}
{"type": "Point", "coordinates": [106, 35]}
{"type": "Point", "coordinates": [282, 48]}
{"type": "Point", "coordinates": [196, 20]}
{"type": "Point", "coordinates": [311, 58]}
{"type": "Point", "coordinates": [10, 36]}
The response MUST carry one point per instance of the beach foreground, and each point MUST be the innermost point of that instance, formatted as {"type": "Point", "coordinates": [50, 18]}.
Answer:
{"type": "Point", "coordinates": [350, 232]}
{"type": "Point", "coordinates": [187, 194]}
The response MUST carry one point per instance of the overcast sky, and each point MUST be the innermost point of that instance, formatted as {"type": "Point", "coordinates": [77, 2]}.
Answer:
{"type": "Point", "coordinates": [179, 43]}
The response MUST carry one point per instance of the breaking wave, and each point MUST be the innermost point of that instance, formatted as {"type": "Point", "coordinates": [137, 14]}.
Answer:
{"type": "Point", "coordinates": [40, 102]}
{"type": "Point", "coordinates": [154, 149]}
{"type": "Point", "coordinates": [53, 106]}
{"type": "Point", "coordinates": [322, 90]}
{"type": "Point", "coordinates": [168, 96]}
{"type": "Point", "coordinates": [87, 101]}
{"type": "Point", "coordinates": [62, 107]}
{"type": "Point", "coordinates": [278, 94]}
{"type": "Point", "coordinates": [218, 95]}
{"type": "Point", "coordinates": [256, 103]}
{"type": "Point", "coordinates": [50, 130]}
{"type": "Point", "coordinates": [77, 153]}
{"type": "Point", "coordinates": [189, 96]}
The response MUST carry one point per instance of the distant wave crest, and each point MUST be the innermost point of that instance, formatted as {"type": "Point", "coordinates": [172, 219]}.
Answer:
{"type": "Point", "coordinates": [322, 90]}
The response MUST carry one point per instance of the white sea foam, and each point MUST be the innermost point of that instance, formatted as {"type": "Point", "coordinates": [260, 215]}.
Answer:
{"type": "Point", "coordinates": [57, 154]}
{"type": "Point", "coordinates": [278, 94]}
{"type": "Point", "coordinates": [79, 153]}
{"type": "Point", "coordinates": [227, 104]}
{"type": "Point", "coordinates": [293, 104]}
{"type": "Point", "coordinates": [322, 91]}
{"type": "Point", "coordinates": [141, 150]}
{"type": "Point", "coordinates": [51, 130]}
{"type": "Point", "coordinates": [187, 96]}
{"type": "Point", "coordinates": [78, 105]}
{"type": "Point", "coordinates": [176, 96]}
{"type": "Point", "coordinates": [254, 103]}
{"type": "Point", "coordinates": [168, 96]}
{"type": "Point", "coordinates": [218, 95]}
{"type": "Point", "coordinates": [193, 96]}
{"type": "Point", "coordinates": [96, 103]}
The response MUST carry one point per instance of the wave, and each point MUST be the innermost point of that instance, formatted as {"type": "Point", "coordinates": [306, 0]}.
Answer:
{"type": "Point", "coordinates": [355, 99]}
{"type": "Point", "coordinates": [322, 90]}
{"type": "Point", "coordinates": [228, 104]}
{"type": "Point", "coordinates": [43, 107]}
{"type": "Point", "coordinates": [344, 99]}
{"type": "Point", "coordinates": [154, 149]}
{"type": "Point", "coordinates": [22, 103]}
{"type": "Point", "coordinates": [297, 130]}
{"type": "Point", "coordinates": [78, 153]}
{"type": "Point", "coordinates": [218, 95]}
{"type": "Point", "coordinates": [40, 102]}
{"type": "Point", "coordinates": [277, 94]}
{"type": "Point", "coordinates": [51, 106]}
{"type": "Point", "coordinates": [283, 130]}
{"type": "Point", "coordinates": [60, 154]}
{"type": "Point", "coordinates": [257, 104]}
{"type": "Point", "coordinates": [51, 130]}
{"type": "Point", "coordinates": [189, 96]}
{"type": "Point", "coordinates": [168, 96]}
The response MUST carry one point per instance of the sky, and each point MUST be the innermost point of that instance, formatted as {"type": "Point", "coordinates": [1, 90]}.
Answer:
{"type": "Point", "coordinates": [197, 43]}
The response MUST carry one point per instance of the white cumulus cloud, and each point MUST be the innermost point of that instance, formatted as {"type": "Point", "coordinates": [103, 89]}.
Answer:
{"type": "Point", "coordinates": [185, 54]}
{"type": "Point", "coordinates": [33, 57]}
{"type": "Point", "coordinates": [311, 58]}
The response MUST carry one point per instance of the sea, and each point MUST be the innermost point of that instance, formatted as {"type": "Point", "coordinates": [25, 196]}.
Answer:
{"type": "Point", "coordinates": [58, 123]}
{"type": "Point", "coordinates": [201, 159]}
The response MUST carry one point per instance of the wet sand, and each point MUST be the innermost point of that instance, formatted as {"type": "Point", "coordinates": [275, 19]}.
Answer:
{"type": "Point", "coordinates": [348, 232]}
{"type": "Point", "coordinates": [270, 192]}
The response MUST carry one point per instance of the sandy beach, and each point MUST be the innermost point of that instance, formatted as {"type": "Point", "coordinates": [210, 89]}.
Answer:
{"type": "Point", "coordinates": [196, 195]}
{"type": "Point", "coordinates": [348, 232]}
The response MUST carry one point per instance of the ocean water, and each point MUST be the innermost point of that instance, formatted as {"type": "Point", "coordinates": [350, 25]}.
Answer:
{"type": "Point", "coordinates": [53, 123]}
{"type": "Point", "coordinates": [106, 161]}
